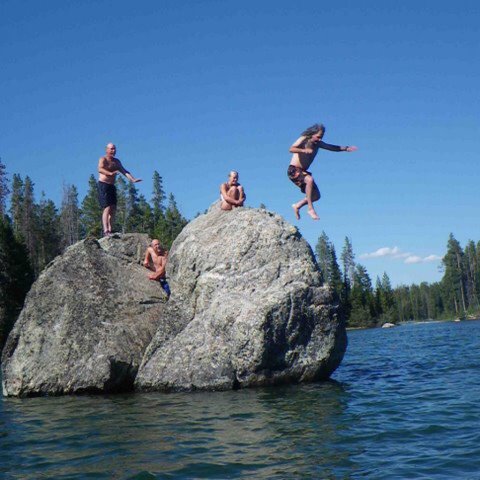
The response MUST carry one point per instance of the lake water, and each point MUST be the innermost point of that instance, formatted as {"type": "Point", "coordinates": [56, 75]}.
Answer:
{"type": "Point", "coordinates": [403, 405]}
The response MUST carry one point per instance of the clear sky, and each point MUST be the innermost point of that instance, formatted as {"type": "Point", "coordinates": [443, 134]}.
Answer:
{"type": "Point", "coordinates": [196, 88]}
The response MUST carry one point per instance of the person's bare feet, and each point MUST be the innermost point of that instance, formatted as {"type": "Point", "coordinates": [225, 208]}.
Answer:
{"type": "Point", "coordinates": [313, 214]}
{"type": "Point", "coordinates": [296, 211]}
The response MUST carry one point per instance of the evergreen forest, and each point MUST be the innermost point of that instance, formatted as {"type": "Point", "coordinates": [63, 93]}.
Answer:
{"type": "Point", "coordinates": [456, 295]}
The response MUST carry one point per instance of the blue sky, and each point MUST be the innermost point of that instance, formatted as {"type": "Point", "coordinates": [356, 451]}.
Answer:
{"type": "Point", "coordinates": [193, 89]}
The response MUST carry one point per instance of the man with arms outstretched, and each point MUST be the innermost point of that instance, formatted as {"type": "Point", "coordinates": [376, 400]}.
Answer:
{"type": "Point", "coordinates": [108, 167]}
{"type": "Point", "coordinates": [156, 261]}
{"type": "Point", "coordinates": [231, 192]}
{"type": "Point", "coordinates": [304, 151]}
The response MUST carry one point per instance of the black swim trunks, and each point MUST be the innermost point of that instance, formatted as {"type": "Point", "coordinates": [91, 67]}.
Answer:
{"type": "Point", "coordinates": [297, 176]}
{"type": "Point", "coordinates": [107, 194]}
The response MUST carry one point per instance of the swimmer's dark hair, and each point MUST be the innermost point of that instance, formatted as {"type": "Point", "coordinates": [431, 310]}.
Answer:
{"type": "Point", "coordinates": [310, 131]}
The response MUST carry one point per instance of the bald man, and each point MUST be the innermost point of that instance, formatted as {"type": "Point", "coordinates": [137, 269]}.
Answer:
{"type": "Point", "coordinates": [156, 261]}
{"type": "Point", "coordinates": [231, 192]}
{"type": "Point", "coordinates": [108, 167]}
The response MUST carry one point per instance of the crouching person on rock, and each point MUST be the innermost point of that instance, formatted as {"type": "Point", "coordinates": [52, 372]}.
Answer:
{"type": "Point", "coordinates": [231, 192]}
{"type": "Point", "coordinates": [156, 261]}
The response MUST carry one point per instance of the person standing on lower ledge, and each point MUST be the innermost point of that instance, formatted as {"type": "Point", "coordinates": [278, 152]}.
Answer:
{"type": "Point", "coordinates": [156, 261]}
{"type": "Point", "coordinates": [304, 151]}
{"type": "Point", "coordinates": [108, 167]}
{"type": "Point", "coordinates": [231, 192]}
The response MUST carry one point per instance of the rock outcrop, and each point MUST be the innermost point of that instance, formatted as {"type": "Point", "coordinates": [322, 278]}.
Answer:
{"type": "Point", "coordinates": [247, 308]}
{"type": "Point", "coordinates": [86, 322]}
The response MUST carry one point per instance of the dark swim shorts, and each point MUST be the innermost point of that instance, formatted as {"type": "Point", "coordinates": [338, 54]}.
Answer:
{"type": "Point", "coordinates": [107, 194]}
{"type": "Point", "coordinates": [297, 176]}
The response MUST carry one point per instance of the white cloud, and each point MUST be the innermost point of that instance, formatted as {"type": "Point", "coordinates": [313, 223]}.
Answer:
{"type": "Point", "coordinates": [413, 259]}
{"type": "Point", "coordinates": [395, 252]}
{"type": "Point", "coordinates": [432, 258]}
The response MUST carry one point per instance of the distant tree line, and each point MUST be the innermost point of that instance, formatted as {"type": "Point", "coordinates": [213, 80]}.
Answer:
{"type": "Point", "coordinates": [33, 233]}
{"type": "Point", "coordinates": [365, 305]}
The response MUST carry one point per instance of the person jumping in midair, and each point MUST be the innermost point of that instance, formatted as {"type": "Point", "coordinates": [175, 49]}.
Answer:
{"type": "Point", "coordinates": [304, 151]}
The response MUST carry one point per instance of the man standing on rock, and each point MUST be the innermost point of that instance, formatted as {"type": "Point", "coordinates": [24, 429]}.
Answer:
{"type": "Point", "coordinates": [304, 151]}
{"type": "Point", "coordinates": [108, 167]}
{"type": "Point", "coordinates": [231, 192]}
{"type": "Point", "coordinates": [156, 260]}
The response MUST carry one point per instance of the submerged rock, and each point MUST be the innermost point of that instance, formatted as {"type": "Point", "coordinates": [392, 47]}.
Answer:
{"type": "Point", "coordinates": [388, 325]}
{"type": "Point", "coordinates": [247, 308]}
{"type": "Point", "coordinates": [86, 322]}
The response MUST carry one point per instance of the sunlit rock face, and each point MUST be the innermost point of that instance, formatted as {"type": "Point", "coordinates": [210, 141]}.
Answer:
{"type": "Point", "coordinates": [86, 322]}
{"type": "Point", "coordinates": [247, 308]}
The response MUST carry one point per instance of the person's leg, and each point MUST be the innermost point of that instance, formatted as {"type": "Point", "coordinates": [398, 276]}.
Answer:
{"type": "Point", "coordinates": [165, 286]}
{"type": "Point", "coordinates": [105, 221]}
{"type": "Point", "coordinates": [111, 217]}
{"type": "Point", "coordinates": [232, 192]}
{"type": "Point", "coordinates": [313, 194]}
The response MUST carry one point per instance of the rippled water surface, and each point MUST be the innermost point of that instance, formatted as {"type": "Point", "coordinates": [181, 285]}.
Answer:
{"type": "Point", "coordinates": [404, 404]}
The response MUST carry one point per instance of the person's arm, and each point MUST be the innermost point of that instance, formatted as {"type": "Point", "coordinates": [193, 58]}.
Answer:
{"type": "Point", "coordinates": [242, 198]}
{"type": "Point", "coordinates": [299, 146]}
{"type": "Point", "coordinates": [125, 172]}
{"type": "Point", "coordinates": [158, 273]}
{"type": "Point", "coordinates": [336, 148]}
{"type": "Point", "coordinates": [146, 262]}
{"type": "Point", "coordinates": [103, 170]}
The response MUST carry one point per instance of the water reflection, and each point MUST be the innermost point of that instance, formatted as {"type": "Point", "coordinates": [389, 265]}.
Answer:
{"type": "Point", "coordinates": [268, 433]}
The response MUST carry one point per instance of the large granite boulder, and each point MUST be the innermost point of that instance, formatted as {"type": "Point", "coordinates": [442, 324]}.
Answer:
{"type": "Point", "coordinates": [247, 308]}
{"type": "Point", "coordinates": [86, 322]}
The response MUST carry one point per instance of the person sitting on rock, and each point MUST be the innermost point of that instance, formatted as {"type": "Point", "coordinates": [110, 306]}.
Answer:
{"type": "Point", "coordinates": [156, 261]}
{"type": "Point", "coordinates": [231, 192]}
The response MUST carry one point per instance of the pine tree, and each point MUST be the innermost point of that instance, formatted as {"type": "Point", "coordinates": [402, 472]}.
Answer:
{"type": "Point", "coordinates": [91, 213]}
{"type": "Point", "coordinates": [174, 223]}
{"type": "Point", "coordinates": [328, 265]}
{"type": "Point", "coordinates": [4, 188]}
{"type": "Point", "coordinates": [147, 224]}
{"type": "Point", "coordinates": [29, 223]}
{"type": "Point", "coordinates": [48, 233]}
{"type": "Point", "coordinates": [134, 215]}
{"type": "Point", "coordinates": [362, 300]}
{"type": "Point", "coordinates": [454, 277]}
{"type": "Point", "coordinates": [322, 252]}
{"type": "Point", "coordinates": [387, 299]}
{"type": "Point", "coordinates": [16, 277]}
{"type": "Point", "coordinates": [348, 262]}
{"type": "Point", "coordinates": [69, 216]}
{"type": "Point", "coordinates": [158, 199]}
{"type": "Point", "coordinates": [16, 204]}
{"type": "Point", "coordinates": [471, 269]}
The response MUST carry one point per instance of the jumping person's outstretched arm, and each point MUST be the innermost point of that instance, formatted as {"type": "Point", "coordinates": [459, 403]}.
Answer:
{"type": "Point", "coordinates": [336, 148]}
